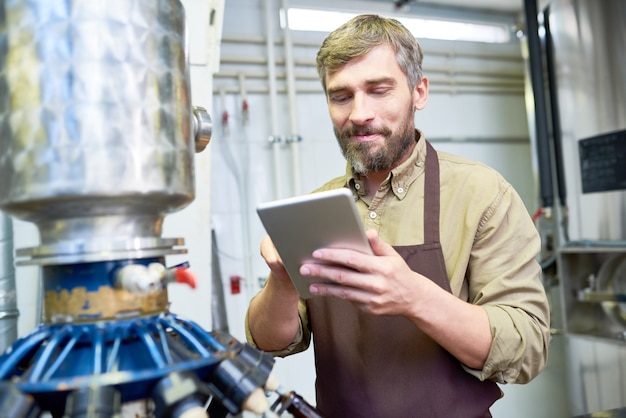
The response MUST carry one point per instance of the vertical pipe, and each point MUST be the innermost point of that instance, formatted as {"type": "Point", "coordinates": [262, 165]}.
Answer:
{"type": "Point", "coordinates": [555, 112]}
{"type": "Point", "coordinates": [244, 193]}
{"type": "Point", "coordinates": [270, 11]}
{"type": "Point", "coordinates": [555, 119]}
{"type": "Point", "coordinates": [541, 117]}
{"type": "Point", "coordinates": [291, 91]}
{"type": "Point", "coordinates": [8, 293]}
{"type": "Point", "coordinates": [219, 318]}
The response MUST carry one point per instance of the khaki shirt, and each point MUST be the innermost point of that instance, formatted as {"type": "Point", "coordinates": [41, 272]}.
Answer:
{"type": "Point", "coordinates": [489, 244]}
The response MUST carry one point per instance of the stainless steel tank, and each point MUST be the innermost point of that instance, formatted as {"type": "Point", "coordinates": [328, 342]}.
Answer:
{"type": "Point", "coordinates": [96, 126]}
{"type": "Point", "coordinates": [588, 86]}
{"type": "Point", "coordinates": [590, 71]}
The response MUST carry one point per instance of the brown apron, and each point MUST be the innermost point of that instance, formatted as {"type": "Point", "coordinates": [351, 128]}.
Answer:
{"type": "Point", "coordinates": [384, 366]}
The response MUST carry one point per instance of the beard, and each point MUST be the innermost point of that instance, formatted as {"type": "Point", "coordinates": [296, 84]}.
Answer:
{"type": "Point", "coordinates": [365, 157]}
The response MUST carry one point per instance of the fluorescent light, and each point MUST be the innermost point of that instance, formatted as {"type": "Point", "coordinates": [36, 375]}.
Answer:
{"type": "Point", "coordinates": [327, 21]}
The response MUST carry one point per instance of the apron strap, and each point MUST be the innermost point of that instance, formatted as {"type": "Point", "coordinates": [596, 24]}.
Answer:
{"type": "Point", "coordinates": [431, 196]}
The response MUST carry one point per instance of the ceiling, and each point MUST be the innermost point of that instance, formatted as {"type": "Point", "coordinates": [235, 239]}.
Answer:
{"type": "Point", "coordinates": [504, 6]}
{"type": "Point", "coordinates": [493, 5]}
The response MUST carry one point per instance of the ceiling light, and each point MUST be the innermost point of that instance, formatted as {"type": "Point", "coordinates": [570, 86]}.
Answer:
{"type": "Point", "coordinates": [326, 21]}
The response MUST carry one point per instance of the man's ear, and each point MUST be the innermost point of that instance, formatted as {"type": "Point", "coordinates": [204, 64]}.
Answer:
{"type": "Point", "coordinates": [420, 94]}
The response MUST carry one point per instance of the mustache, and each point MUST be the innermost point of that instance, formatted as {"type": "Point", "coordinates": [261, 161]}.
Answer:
{"type": "Point", "coordinates": [363, 130]}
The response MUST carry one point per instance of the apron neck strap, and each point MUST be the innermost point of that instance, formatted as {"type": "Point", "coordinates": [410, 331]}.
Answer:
{"type": "Point", "coordinates": [431, 196]}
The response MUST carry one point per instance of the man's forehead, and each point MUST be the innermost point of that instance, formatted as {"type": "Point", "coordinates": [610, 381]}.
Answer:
{"type": "Point", "coordinates": [337, 85]}
{"type": "Point", "coordinates": [374, 68]}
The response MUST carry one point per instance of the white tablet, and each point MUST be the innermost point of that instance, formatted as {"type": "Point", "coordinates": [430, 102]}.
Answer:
{"type": "Point", "coordinates": [299, 225]}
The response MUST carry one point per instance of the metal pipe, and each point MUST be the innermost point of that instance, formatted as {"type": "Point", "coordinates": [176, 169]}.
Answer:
{"type": "Point", "coordinates": [317, 90]}
{"type": "Point", "coordinates": [555, 112]}
{"type": "Point", "coordinates": [271, 68]}
{"type": "Point", "coordinates": [541, 115]}
{"type": "Point", "coordinates": [8, 292]}
{"type": "Point", "coordinates": [316, 44]}
{"type": "Point", "coordinates": [291, 92]}
{"type": "Point", "coordinates": [244, 193]}
{"type": "Point", "coordinates": [507, 85]}
{"type": "Point", "coordinates": [260, 60]}
{"type": "Point", "coordinates": [450, 77]}
{"type": "Point", "coordinates": [219, 317]}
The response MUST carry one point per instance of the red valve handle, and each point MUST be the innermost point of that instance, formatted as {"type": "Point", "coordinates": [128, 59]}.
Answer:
{"type": "Point", "coordinates": [183, 275]}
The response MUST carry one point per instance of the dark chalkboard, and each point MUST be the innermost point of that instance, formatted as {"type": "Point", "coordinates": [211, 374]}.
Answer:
{"type": "Point", "coordinates": [603, 162]}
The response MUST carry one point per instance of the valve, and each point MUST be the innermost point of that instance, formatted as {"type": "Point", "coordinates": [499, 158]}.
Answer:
{"type": "Point", "coordinates": [180, 395]}
{"type": "Point", "coordinates": [143, 280]}
{"type": "Point", "coordinates": [239, 382]}
{"type": "Point", "coordinates": [202, 127]}
{"type": "Point", "coordinates": [295, 404]}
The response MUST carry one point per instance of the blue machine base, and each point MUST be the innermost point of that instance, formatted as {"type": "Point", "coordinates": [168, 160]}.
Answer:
{"type": "Point", "coordinates": [130, 355]}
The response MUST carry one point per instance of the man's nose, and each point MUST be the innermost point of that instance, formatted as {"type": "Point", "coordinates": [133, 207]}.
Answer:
{"type": "Point", "coordinates": [362, 110]}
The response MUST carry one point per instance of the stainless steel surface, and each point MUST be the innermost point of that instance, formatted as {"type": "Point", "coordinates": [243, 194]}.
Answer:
{"type": "Point", "coordinates": [590, 73]}
{"type": "Point", "coordinates": [590, 58]}
{"type": "Point", "coordinates": [613, 413]}
{"type": "Point", "coordinates": [8, 293]}
{"type": "Point", "coordinates": [595, 326]}
{"type": "Point", "coordinates": [591, 281]}
{"type": "Point", "coordinates": [96, 142]}
{"type": "Point", "coordinates": [595, 375]}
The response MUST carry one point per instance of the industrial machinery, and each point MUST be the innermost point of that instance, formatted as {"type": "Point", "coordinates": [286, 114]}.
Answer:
{"type": "Point", "coordinates": [577, 56]}
{"type": "Point", "coordinates": [97, 141]}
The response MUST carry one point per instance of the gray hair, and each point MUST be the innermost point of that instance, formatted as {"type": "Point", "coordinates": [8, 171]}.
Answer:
{"type": "Point", "coordinates": [357, 37]}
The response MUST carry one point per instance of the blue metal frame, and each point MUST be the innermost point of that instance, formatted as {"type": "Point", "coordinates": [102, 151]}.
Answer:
{"type": "Point", "coordinates": [131, 355]}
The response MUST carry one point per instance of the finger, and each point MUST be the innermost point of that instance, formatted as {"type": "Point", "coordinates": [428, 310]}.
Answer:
{"type": "Point", "coordinates": [342, 282]}
{"type": "Point", "coordinates": [339, 257]}
{"type": "Point", "coordinates": [267, 248]}
{"type": "Point", "coordinates": [379, 247]}
{"type": "Point", "coordinates": [349, 293]}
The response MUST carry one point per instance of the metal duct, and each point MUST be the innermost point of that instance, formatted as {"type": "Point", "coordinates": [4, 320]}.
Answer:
{"type": "Point", "coordinates": [8, 294]}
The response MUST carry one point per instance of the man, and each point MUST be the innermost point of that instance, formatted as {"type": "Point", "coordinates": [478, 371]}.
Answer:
{"type": "Point", "coordinates": [451, 302]}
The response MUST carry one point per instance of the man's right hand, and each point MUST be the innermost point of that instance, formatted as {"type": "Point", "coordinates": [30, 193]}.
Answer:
{"type": "Point", "coordinates": [273, 260]}
{"type": "Point", "coordinates": [273, 314]}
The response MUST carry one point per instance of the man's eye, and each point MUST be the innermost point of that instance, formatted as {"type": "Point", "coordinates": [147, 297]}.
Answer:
{"type": "Point", "coordinates": [380, 91]}
{"type": "Point", "coordinates": [340, 98]}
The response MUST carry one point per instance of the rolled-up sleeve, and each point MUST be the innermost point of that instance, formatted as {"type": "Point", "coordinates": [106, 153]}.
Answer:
{"type": "Point", "coordinates": [301, 341]}
{"type": "Point", "coordinates": [504, 277]}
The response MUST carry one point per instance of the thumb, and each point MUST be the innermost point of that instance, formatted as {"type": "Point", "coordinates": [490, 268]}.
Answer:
{"type": "Point", "coordinates": [379, 247]}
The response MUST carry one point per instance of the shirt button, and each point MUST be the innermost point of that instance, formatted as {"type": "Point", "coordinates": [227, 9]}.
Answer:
{"type": "Point", "coordinates": [373, 215]}
{"type": "Point", "coordinates": [400, 190]}
{"type": "Point", "coordinates": [357, 186]}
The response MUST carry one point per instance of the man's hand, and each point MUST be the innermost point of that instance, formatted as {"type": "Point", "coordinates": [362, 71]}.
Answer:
{"type": "Point", "coordinates": [383, 284]}
{"type": "Point", "coordinates": [273, 260]}
{"type": "Point", "coordinates": [380, 284]}
{"type": "Point", "coordinates": [273, 314]}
